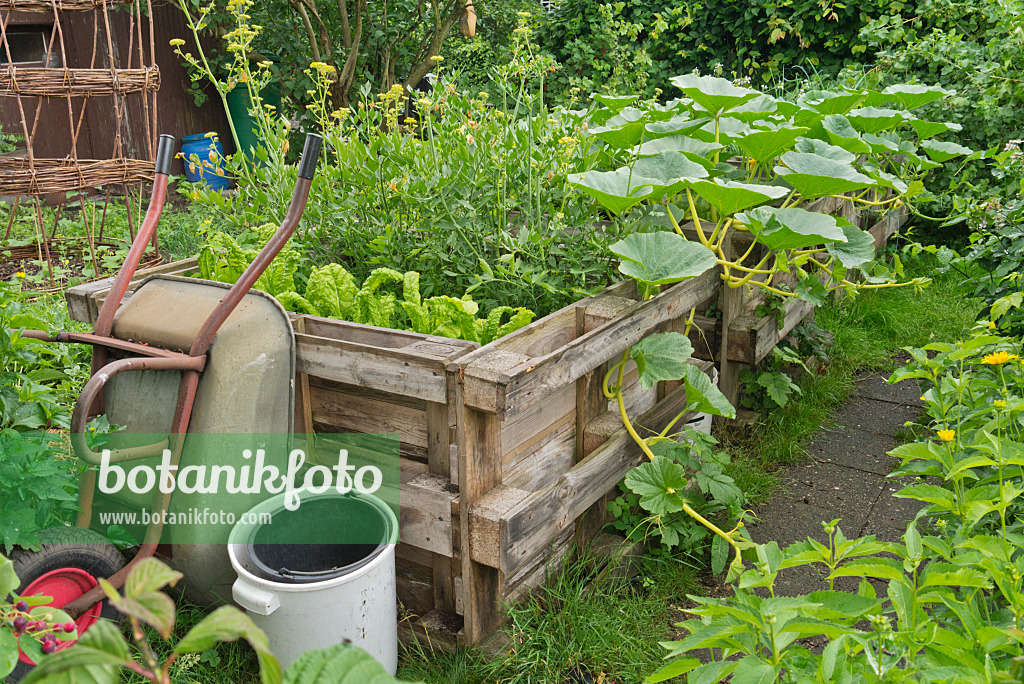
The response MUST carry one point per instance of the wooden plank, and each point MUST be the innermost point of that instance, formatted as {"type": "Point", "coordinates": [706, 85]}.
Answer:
{"type": "Point", "coordinates": [440, 440]}
{"type": "Point", "coordinates": [766, 331]}
{"type": "Point", "coordinates": [303, 401]}
{"type": "Point", "coordinates": [887, 226]}
{"type": "Point", "coordinates": [731, 303]}
{"type": "Point", "coordinates": [488, 537]}
{"type": "Point", "coordinates": [425, 519]}
{"type": "Point", "coordinates": [591, 402]}
{"type": "Point", "coordinates": [479, 440]}
{"type": "Point", "coordinates": [538, 467]}
{"type": "Point", "coordinates": [538, 570]}
{"type": "Point", "coordinates": [524, 430]}
{"type": "Point", "coordinates": [343, 412]}
{"type": "Point", "coordinates": [508, 392]}
{"type": "Point", "coordinates": [386, 370]}
{"type": "Point", "coordinates": [542, 516]}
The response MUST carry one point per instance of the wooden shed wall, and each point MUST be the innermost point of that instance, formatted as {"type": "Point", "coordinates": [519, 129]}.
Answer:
{"type": "Point", "coordinates": [176, 110]}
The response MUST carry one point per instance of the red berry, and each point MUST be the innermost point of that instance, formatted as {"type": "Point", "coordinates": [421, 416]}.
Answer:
{"type": "Point", "coordinates": [21, 606]}
{"type": "Point", "coordinates": [19, 624]}
{"type": "Point", "coordinates": [69, 627]}
{"type": "Point", "coordinates": [49, 647]}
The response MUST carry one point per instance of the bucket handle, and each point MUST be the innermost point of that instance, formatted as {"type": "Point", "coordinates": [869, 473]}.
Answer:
{"type": "Point", "coordinates": [254, 599]}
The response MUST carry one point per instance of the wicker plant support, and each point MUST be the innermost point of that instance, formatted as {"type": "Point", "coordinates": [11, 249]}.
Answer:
{"type": "Point", "coordinates": [41, 82]}
{"type": "Point", "coordinates": [81, 86]}
{"type": "Point", "coordinates": [48, 6]}
{"type": "Point", "coordinates": [62, 175]}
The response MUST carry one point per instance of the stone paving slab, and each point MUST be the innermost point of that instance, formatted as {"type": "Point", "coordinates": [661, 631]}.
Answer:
{"type": "Point", "coordinates": [853, 448]}
{"type": "Point", "coordinates": [881, 417]}
{"type": "Point", "coordinates": [875, 386]}
{"type": "Point", "coordinates": [842, 491]}
{"type": "Point", "coordinates": [889, 516]}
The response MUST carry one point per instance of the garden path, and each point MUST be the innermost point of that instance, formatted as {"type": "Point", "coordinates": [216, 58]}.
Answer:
{"type": "Point", "coordinates": [845, 477]}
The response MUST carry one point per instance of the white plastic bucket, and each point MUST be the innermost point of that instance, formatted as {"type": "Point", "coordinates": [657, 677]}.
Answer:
{"type": "Point", "coordinates": [702, 421]}
{"type": "Point", "coordinates": [355, 601]}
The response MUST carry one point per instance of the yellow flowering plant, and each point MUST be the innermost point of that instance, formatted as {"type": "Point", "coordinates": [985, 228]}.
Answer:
{"type": "Point", "coordinates": [239, 71]}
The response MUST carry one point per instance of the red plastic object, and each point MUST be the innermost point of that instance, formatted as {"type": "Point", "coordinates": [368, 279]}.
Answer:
{"type": "Point", "coordinates": [65, 585]}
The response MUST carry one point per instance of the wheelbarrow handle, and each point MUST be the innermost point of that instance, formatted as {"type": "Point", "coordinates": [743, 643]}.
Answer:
{"type": "Point", "coordinates": [162, 168]}
{"type": "Point", "coordinates": [307, 169]}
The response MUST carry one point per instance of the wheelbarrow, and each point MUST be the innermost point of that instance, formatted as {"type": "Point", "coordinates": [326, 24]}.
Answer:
{"type": "Point", "coordinates": [180, 357]}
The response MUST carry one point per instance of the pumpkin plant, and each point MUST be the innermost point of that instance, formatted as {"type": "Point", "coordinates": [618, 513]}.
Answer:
{"type": "Point", "coordinates": [725, 159]}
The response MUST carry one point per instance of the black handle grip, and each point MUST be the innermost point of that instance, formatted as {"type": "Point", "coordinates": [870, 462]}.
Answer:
{"type": "Point", "coordinates": [164, 154]}
{"type": "Point", "coordinates": [310, 155]}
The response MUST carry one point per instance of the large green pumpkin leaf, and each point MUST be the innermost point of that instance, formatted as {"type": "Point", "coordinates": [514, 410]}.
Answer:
{"type": "Point", "coordinates": [680, 124]}
{"type": "Point", "coordinates": [766, 145]}
{"type": "Point", "coordinates": [729, 130]}
{"type": "Point", "coordinates": [662, 356]}
{"type": "Point", "coordinates": [876, 120]}
{"type": "Point", "coordinates": [823, 149]}
{"type": "Point", "coordinates": [828, 102]}
{"type": "Point", "coordinates": [816, 176]}
{"type": "Point", "coordinates": [615, 190]}
{"type": "Point", "coordinates": [728, 197]}
{"type": "Point", "coordinates": [695, 150]}
{"type": "Point", "coordinates": [615, 102]}
{"type": "Point", "coordinates": [944, 151]}
{"type": "Point", "coordinates": [703, 396]}
{"type": "Point", "coordinates": [913, 96]}
{"type": "Point", "coordinates": [660, 484]}
{"type": "Point", "coordinates": [662, 258]}
{"type": "Point", "coordinates": [794, 228]}
{"type": "Point", "coordinates": [624, 130]}
{"type": "Point", "coordinates": [667, 171]}
{"type": "Point", "coordinates": [928, 129]}
{"type": "Point", "coordinates": [712, 93]}
{"type": "Point", "coordinates": [758, 109]}
{"type": "Point", "coordinates": [842, 134]}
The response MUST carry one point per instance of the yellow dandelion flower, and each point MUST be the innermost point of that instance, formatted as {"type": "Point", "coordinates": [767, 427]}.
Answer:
{"type": "Point", "coordinates": [946, 435]}
{"type": "Point", "coordinates": [998, 358]}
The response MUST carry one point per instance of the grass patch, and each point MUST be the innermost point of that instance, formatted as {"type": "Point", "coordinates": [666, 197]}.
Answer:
{"type": "Point", "coordinates": [573, 631]}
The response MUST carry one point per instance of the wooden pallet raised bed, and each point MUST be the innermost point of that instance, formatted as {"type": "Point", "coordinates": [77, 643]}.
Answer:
{"type": "Point", "coordinates": [505, 448]}
{"type": "Point", "coordinates": [509, 451]}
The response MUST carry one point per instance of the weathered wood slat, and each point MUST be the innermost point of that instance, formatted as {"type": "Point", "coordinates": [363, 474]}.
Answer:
{"type": "Point", "coordinates": [532, 523]}
{"type": "Point", "coordinates": [509, 392]}
{"type": "Point", "coordinates": [397, 371]}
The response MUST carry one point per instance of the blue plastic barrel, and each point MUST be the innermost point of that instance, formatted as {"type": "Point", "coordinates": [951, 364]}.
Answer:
{"type": "Point", "coordinates": [209, 154]}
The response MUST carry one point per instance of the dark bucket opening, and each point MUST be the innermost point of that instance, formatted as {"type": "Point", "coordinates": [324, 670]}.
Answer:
{"type": "Point", "coordinates": [301, 546]}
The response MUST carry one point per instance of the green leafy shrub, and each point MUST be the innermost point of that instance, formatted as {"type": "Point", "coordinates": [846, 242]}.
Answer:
{"type": "Point", "coordinates": [954, 598]}
{"type": "Point", "coordinates": [993, 263]}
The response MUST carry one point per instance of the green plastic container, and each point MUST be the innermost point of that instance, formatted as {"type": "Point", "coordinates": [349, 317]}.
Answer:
{"type": "Point", "coordinates": [245, 124]}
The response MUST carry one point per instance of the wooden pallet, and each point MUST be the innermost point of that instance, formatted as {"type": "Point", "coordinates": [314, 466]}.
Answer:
{"type": "Point", "coordinates": [510, 451]}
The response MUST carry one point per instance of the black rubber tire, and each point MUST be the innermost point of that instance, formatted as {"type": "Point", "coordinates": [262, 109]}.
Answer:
{"type": "Point", "coordinates": [66, 547]}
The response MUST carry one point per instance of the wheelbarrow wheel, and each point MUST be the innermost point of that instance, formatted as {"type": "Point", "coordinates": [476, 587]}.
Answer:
{"type": "Point", "coordinates": [68, 564]}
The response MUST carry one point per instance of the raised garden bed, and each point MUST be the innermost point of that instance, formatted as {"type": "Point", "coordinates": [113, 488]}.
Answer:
{"type": "Point", "coordinates": [508, 450]}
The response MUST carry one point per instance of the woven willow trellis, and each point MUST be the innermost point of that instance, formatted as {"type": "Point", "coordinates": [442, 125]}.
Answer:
{"type": "Point", "coordinates": [98, 81]}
